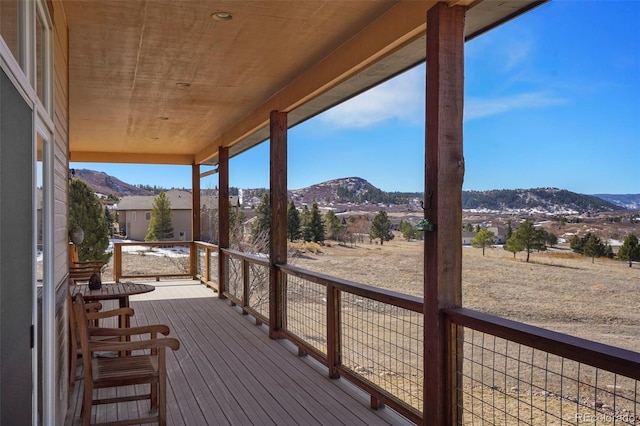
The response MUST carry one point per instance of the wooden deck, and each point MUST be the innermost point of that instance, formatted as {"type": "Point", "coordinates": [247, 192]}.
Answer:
{"type": "Point", "coordinates": [228, 372]}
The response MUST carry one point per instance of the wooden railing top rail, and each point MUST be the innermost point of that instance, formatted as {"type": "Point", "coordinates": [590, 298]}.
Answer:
{"type": "Point", "coordinates": [264, 261]}
{"type": "Point", "coordinates": [610, 358]}
{"type": "Point", "coordinates": [207, 245]}
{"type": "Point", "coordinates": [154, 243]}
{"type": "Point", "coordinates": [412, 303]}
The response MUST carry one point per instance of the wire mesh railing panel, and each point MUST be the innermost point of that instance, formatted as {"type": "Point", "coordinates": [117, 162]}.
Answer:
{"type": "Point", "coordinates": [151, 259]}
{"type": "Point", "coordinates": [383, 344]}
{"type": "Point", "coordinates": [213, 266]}
{"type": "Point", "coordinates": [235, 277]}
{"type": "Point", "coordinates": [306, 312]}
{"type": "Point", "coordinates": [259, 288]}
{"type": "Point", "coordinates": [201, 254]}
{"type": "Point", "coordinates": [505, 383]}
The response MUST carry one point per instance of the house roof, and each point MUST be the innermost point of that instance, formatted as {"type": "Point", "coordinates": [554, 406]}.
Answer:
{"type": "Point", "coordinates": [180, 200]}
{"type": "Point", "coordinates": [164, 82]}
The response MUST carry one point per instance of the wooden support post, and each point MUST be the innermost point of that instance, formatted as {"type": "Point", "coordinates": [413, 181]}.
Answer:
{"type": "Point", "coordinates": [278, 202]}
{"type": "Point", "coordinates": [223, 217]}
{"type": "Point", "coordinates": [334, 343]}
{"type": "Point", "coordinates": [195, 218]}
{"type": "Point", "coordinates": [444, 175]}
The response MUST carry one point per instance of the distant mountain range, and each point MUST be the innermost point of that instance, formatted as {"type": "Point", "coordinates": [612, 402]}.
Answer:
{"type": "Point", "coordinates": [355, 191]}
{"type": "Point", "coordinates": [627, 201]}
{"type": "Point", "coordinates": [104, 184]}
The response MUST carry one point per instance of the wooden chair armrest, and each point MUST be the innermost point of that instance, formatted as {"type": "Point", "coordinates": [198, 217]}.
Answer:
{"type": "Point", "coordinates": [93, 306]}
{"type": "Point", "coordinates": [109, 314]}
{"type": "Point", "coordinates": [165, 342]}
{"type": "Point", "coordinates": [131, 331]}
{"type": "Point", "coordinates": [88, 264]}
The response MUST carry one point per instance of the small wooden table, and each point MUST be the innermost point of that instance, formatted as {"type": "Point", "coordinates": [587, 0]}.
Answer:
{"type": "Point", "coordinates": [112, 291]}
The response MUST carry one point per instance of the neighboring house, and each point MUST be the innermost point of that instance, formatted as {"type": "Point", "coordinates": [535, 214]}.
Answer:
{"type": "Point", "coordinates": [501, 236]}
{"type": "Point", "coordinates": [467, 237]}
{"type": "Point", "coordinates": [134, 214]}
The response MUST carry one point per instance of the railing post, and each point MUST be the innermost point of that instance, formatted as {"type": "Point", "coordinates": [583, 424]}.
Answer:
{"type": "Point", "coordinates": [334, 343]}
{"type": "Point", "coordinates": [207, 264]}
{"type": "Point", "coordinates": [245, 285]}
{"type": "Point", "coordinates": [117, 262]}
{"type": "Point", "coordinates": [444, 173]}
{"type": "Point", "coordinates": [193, 260]}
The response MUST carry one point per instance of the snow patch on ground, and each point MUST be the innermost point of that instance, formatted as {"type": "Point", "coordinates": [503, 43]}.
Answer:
{"type": "Point", "coordinates": [176, 251]}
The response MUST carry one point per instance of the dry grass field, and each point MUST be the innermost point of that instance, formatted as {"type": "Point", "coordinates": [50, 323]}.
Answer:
{"type": "Point", "coordinates": [557, 289]}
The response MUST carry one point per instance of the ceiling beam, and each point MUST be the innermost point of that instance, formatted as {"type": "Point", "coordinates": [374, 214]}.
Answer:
{"type": "Point", "coordinates": [130, 158]}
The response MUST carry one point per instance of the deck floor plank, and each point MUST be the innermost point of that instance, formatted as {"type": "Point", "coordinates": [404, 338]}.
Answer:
{"type": "Point", "coordinates": [228, 372]}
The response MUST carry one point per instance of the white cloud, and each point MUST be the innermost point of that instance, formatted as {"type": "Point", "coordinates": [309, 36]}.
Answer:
{"type": "Point", "coordinates": [401, 98]}
{"type": "Point", "coordinates": [485, 107]}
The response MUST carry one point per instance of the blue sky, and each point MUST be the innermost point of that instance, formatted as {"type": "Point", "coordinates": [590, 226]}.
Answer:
{"type": "Point", "coordinates": [552, 99]}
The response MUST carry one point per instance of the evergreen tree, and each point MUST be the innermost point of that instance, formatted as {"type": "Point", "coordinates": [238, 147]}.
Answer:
{"type": "Point", "coordinates": [381, 227]}
{"type": "Point", "coordinates": [528, 237]}
{"type": "Point", "coordinates": [408, 230]}
{"type": "Point", "coordinates": [86, 213]}
{"type": "Point", "coordinates": [514, 245]}
{"type": "Point", "coordinates": [293, 222]}
{"type": "Point", "coordinates": [332, 225]}
{"type": "Point", "coordinates": [550, 238]}
{"type": "Point", "coordinates": [262, 226]}
{"type": "Point", "coordinates": [509, 231]}
{"type": "Point", "coordinates": [590, 245]}
{"type": "Point", "coordinates": [630, 249]}
{"type": "Point", "coordinates": [236, 227]}
{"type": "Point", "coordinates": [160, 225]}
{"type": "Point", "coordinates": [594, 247]}
{"type": "Point", "coordinates": [316, 227]}
{"type": "Point", "coordinates": [305, 219]}
{"type": "Point", "coordinates": [484, 238]}
{"type": "Point", "coordinates": [110, 220]}
{"type": "Point", "coordinates": [577, 244]}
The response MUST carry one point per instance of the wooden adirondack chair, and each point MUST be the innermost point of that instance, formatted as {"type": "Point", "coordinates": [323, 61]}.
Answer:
{"type": "Point", "coordinates": [144, 365]}
{"type": "Point", "coordinates": [94, 315]}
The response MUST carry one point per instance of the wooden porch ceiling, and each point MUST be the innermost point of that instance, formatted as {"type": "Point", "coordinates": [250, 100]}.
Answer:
{"type": "Point", "coordinates": [162, 81]}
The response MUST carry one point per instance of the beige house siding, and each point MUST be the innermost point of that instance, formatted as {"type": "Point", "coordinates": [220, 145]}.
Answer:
{"type": "Point", "coordinates": [134, 213]}
{"type": "Point", "coordinates": [60, 196]}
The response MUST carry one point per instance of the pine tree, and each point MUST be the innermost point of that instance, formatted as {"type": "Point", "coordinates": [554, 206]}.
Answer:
{"type": "Point", "coordinates": [514, 245]}
{"type": "Point", "coordinates": [409, 232]}
{"type": "Point", "coordinates": [293, 222]}
{"type": "Point", "coordinates": [484, 238]}
{"type": "Point", "coordinates": [594, 247]}
{"type": "Point", "coordinates": [528, 237]}
{"type": "Point", "coordinates": [630, 249]}
{"type": "Point", "coordinates": [236, 227]}
{"type": "Point", "coordinates": [262, 226]}
{"type": "Point", "coordinates": [305, 220]}
{"type": "Point", "coordinates": [381, 227]}
{"type": "Point", "coordinates": [590, 245]}
{"type": "Point", "coordinates": [316, 227]}
{"type": "Point", "coordinates": [160, 225]}
{"type": "Point", "coordinates": [86, 213]}
{"type": "Point", "coordinates": [332, 225]}
{"type": "Point", "coordinates": [110, 220]}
